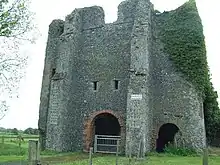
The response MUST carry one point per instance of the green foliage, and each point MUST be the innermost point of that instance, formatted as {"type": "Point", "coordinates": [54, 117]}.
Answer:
{"type": "Point", "coordinates": [182, 35]}
{"type": "Point", "coordinates": [175, 151]}
{"type": "Point", "coordinates": [15, 131]}
{"type": "Point", "coordinates": [9, 131]}
{"type": "Point", "coordinates": [181, 32]}
{"type": "Point", "coordinates": [14, 18]}
{"type": "Point", "coordinates": [31, 131]}
{"type": "Point", "coordinates": [211, 113]}
{"type": "Point", "coordinates": [180, 151]}
{"type": "Point", "coordinates": [16, 27]}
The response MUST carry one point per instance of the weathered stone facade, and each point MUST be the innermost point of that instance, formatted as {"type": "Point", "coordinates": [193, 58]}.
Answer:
{"type": "Point", "coordinates": [82, 50]}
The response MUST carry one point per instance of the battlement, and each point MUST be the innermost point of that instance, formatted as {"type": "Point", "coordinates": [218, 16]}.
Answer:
{"type": "Point", "coordinates": [94, 16]}
{"type": "Point", "coordinates": [131, 10]}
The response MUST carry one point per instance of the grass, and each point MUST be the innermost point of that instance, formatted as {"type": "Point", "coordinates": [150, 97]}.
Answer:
{"type": "Point", "coordinates": [10, 151]}
{"type": "Point", "coordinates": [63, 157]}
{"type": "Point", "coordinates": [12, 158]}
{"type": "Point", "coordinates": [151, 160]}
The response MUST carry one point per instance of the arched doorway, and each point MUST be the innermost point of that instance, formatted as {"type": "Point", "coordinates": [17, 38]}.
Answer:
{"type": "Point", "coordinates": [166, 135]}
{"type": "Point", "coordinates": [106, 124]}
{"type": "Point", "coordinates": [107, 133]}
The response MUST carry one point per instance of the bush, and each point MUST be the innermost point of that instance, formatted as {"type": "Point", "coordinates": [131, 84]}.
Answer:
{"type": "Point", "coordinates": [31, 131]}
{"type": "Point", "coordinates": [180, 151]}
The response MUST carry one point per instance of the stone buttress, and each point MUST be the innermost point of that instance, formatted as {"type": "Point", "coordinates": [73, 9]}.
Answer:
{"type": "Point", "coordinates": [138, 112]}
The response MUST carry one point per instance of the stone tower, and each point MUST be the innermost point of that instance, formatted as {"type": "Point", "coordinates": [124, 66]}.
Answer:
{"type": "Point", "coordinates": [97, 73]}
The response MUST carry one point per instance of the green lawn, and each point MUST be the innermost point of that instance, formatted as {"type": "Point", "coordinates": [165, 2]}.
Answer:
{"type": "Point", "coordinates": [152, 160]}
{"type": "Point", "coordinates": [10, 145]}
{"type": "Point", "coordinates": [12, 158]}
{"type": "Point", "coordinates": [10, 151]}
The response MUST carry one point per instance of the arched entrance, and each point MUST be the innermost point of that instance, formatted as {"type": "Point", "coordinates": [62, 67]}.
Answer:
{"type": "Point", "coordinates": [106, 124]}
{"type": "Point", "coordinates": [166, 135]}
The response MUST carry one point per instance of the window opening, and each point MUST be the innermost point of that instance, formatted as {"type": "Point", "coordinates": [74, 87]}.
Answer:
{"type": "Point", "coordinates": [116, 84]}
{"type": "Point", "coordinates": [95, 85]}
{"type": "Point", "coordinates": [53, 71]}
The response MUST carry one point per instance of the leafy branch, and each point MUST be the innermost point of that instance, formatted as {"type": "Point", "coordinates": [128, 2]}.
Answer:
{"type": "Point", "coordinates": [16, 28]}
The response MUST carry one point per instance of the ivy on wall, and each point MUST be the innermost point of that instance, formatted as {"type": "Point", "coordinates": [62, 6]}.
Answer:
{"type": "Point", "coordinates": [181, 32]}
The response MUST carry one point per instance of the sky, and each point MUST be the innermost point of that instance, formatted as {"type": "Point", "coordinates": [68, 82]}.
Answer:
{"type": "Point", "coordinates": [24, 111]}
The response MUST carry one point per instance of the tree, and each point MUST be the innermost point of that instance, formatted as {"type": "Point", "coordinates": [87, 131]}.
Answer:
{"type": "Point", "coordinates": [31, 131]}
{"type": "Point", "coordinates": [2, 129]}
{"type": "Point", "coordinates": [15, 131]}
{"type": "Point", "coordinates": [16, 28]}
{"type": "Point", "coordinates": [211, 113]}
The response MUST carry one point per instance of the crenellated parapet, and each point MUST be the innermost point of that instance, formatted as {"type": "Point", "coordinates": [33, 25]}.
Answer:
{"type": "Point", "coordinates": [94, 16]}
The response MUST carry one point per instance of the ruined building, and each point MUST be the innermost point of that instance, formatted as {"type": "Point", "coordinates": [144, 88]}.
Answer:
{"type": "Point", "coordinates": [118, 80]}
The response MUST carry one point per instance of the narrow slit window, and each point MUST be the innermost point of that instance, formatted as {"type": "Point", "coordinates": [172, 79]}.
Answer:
{"type": "Point", "coordinates": [53, 71]}
{"type": "Point", "coordinates": [95, 85]}
{"type": "Point", "coordinates": [116, 84]}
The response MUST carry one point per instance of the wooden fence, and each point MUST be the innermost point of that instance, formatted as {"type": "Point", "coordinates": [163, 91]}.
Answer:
{"type": "Point", "coordinates": [16, 138]}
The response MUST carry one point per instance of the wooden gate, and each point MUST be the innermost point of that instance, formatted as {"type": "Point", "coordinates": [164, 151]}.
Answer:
{"type": "Point", "coordinates": [106, 143]}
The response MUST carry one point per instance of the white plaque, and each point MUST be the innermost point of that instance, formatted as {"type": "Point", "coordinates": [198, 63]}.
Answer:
{"type": "Point", "coordinates": [136, 97]}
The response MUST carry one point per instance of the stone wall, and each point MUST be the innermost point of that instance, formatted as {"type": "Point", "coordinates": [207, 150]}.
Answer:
{"type": "Point", "coordinates": [83, 50]}
{"type": "Point", "coordinates": [88, 51]}
{"type": "Point", "coordinates": [138, 112]}
{"type": "Point", "coordinates": [55, 30]}
{"type": "Point", "coordinates": [174, 100]}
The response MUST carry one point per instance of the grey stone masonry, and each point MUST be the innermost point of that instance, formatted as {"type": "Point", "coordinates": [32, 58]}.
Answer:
{"type": "Point", "coordinates": [83, 50]}
{"type": "Point", "coordinates": [138, 121]}
{"type": "Point", "coordinates": [55, 30]}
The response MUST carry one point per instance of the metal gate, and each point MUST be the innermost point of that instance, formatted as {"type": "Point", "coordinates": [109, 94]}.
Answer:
{"type": "Point", "coordinates": [106, 143]}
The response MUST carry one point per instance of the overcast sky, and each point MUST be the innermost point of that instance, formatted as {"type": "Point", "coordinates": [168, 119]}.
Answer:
{"type": "Point", "coordinates": [24, 111]}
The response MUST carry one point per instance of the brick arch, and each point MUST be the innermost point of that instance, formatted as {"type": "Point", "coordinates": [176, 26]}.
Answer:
{"type": "Point", "coordinates": [89, 127]}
